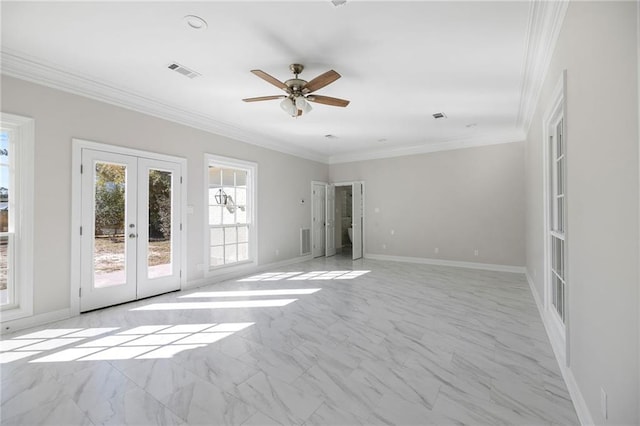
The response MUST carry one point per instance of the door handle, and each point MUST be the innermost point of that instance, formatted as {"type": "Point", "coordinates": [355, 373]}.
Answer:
{"type": "Point", "coordinates": [132, 235]}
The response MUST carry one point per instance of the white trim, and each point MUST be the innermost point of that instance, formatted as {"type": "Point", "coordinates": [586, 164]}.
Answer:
{"type": "Point", "coordinates": [558, 332]}
{"type": "Point", "coordinates": [23, 129]}
{"type": "Point", "coordinates": [20, 65]}
{"type": "Point", "coordinates": [442, 262]}
{"type": "Point", "coordinates": [35, 321]}
{"type": "Point", "coordinates": [76, 208]}
{"type": "Point", "coordinates": [249, 270]}
{"type": "Point", "coordinates": [580, 405]}
{"type": "Point", "coordinates": [638, 118]}
{"type": "Point", "coordinates": [252, 197]}
{"type": "Point", "coordinates": [544, 26]}
{"type": "Point", "coordinates": [444, 145]}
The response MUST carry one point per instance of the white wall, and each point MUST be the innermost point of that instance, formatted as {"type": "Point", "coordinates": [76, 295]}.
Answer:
{"type": "Point", "coordinates": [457, 201]}
{"type": "Point", "coordinates": [598, 48]}
{"type": "Point", "coordinates": [282, 179]}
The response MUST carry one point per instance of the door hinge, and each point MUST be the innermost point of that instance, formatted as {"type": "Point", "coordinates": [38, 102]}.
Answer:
{"type": "Point", "coordinates": [180, 179]}
{"type": "Point", "coordinates": [81, 169]}
{"type": "Point", "coordinates": [81, 230]}
{"type": "Point", "coordinates": [180, 273]}
{"type": "Point", "coordinates": [181, 227]}
{"type": "Point", "coordinates": [80, 292]}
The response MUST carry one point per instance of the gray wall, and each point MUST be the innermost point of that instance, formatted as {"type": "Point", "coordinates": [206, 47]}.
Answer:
{"type": "Point", "coordinates": [282, 179]}
{"type": "Point", "coordinates": [598, 48]}
{"type": "Point", "coordinates": [457, 201]}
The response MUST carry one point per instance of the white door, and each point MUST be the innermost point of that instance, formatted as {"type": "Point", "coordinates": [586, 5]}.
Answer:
{"type": "Point", "coordinates": [130, 241]}
{"type": "Point", "coordinates": [318, 220]}
{"type": "Point", "coordinates": [330, 231]}
{"type": "Point", "coordinates": [356, 214]}
{"type": "Point", "coordinates": [158, 227]}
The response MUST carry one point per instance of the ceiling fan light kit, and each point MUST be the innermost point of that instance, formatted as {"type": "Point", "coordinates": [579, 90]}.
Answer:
{"type": "Point", "coordinates": [299, 91]}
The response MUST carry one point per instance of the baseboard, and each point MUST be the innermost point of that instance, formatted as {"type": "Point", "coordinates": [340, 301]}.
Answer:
{"type": "Point", "coordinates": [580, 405]}
{"type": "Point", "coordinates": [34, 321]}
{"type": "Point", "coordinates": [241, 273]}
{"type": "Point", "coordinates": [442, 262]}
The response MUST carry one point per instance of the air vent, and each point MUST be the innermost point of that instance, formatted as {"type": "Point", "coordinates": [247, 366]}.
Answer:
{"type": "Point", "coordinates": [183, 70]}
{"type": "Point", "coordinates": [305, 241]}
{"type": "Point", "coordinates": [438, 115]}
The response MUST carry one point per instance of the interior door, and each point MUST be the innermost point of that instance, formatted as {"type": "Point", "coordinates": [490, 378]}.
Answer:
{"type": "Point", "coordinates": [330, 219]}
{"type": "Point", "coordinates": [158, 227]}
{"type": "Point", "coordinates": [108, 256]}
{"type": "Point", "coordinates": [131, 245]}
{"type": "Point", "coordinates": [356, 214]}
{"type": "Point", "coordinates": [318, 222]}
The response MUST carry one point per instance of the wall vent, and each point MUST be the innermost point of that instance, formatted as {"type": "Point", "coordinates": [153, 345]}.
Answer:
{"type": "Point", "coordinates": [439, 115]}
{"type": "Point", "coordinates": [183, 70]}
{"type": "Point", "coordinates": [305, 241]}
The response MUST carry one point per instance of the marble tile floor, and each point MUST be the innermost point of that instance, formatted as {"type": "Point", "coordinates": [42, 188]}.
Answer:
{"type": "Point", "coordinates": [325, 342]}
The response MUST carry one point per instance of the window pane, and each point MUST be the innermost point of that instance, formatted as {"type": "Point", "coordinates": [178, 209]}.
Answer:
{"type": "Point", "coordinates": [560, 149]}
{"type": "Point", "coordinates": [5, 283]}
{"type": "Point", "coordinates": [243, 252]}
{"type": "Point", "coordinates": [109, 241]}
{"type": "Point", "coordinates": [159, 248]}
{"type": "Point", "coordinates": [215, 176]}
{"type": "Point", "coordinates": [560, 176]}
{"type": "Point", "coordinates": [230, 235]}
{"type": "Point", "coordinates": [241, 215]}
{"type": "Point", "coordinates": [241, 178]}
{"type": "Point", "coordinates": [230, 255]}
{"type": "Point", "coordinates": [215, 215]}
{"type": "Point", "coordinates": [217, 236]}
{"type": "Point", "coordinates": [243, 234]}
{"type": "Point", "coordinates": [228, 177]}
{"type": "Point", "coordinates": [217, 256]}
{"type": "Point", "coordinates": [241, 196]}
{"type": "Point", "coordinates": [228, 217]}
{"type": "Point", "coordinates": [231, 195]}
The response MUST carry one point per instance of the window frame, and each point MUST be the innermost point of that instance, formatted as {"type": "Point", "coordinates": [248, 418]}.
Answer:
{"type": "Point", "coordinates": [251, 205]}
{"type": "Point", "coordinates": [22, 141]}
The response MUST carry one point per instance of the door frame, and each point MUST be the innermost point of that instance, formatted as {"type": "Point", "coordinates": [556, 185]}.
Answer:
{"type": "Point", "coordinates": [335, 185]}
{"type": "Point", "coordinates": [76, 208]}
{"type": "Point", "coordinates": [313, 206]}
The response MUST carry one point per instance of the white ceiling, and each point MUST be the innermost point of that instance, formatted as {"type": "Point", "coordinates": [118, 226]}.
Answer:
{"type": "Point", "coordinates": [400, 62]}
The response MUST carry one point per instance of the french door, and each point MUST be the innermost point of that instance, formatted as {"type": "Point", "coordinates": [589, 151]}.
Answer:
{"type": "Point", "coordinates": [130, 228]}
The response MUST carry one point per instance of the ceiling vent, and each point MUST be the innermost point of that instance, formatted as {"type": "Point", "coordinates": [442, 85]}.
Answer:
{"type": "Point", "coordinates": [183, 70]}
{"type": "Point", "coordinates": [439, 115]}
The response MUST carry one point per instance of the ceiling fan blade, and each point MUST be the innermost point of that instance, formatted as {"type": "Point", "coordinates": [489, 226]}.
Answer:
{"type": "Point", "coordinates": [269, 79]}
{"type": "Point", "coordinates": [320, 81]}
{"type": "Point", "coordinates": [264, 98]}
{"type": "Point", "coordinates": [327, 100]}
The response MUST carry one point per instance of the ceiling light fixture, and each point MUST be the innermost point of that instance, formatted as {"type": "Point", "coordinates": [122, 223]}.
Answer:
{"type": "Point", "coordinates": [195, 22]}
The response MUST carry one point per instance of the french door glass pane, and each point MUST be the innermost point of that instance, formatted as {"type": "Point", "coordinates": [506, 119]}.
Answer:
{"type": "Point", "coordinates": [159, 256]}
{"type": "Point", "coordinates": [109, 217]}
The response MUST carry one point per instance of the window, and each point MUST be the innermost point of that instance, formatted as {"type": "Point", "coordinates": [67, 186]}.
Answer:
{"type": "Point", "coordinates": [16, 216]}
{"type": "Point", "coordinates": [231, 208]}
{"type": "Point", "coordinates": [557, 217]}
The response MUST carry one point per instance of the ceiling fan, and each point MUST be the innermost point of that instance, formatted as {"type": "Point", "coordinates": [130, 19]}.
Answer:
{"type": "Point", "coordinates": [300, 91]}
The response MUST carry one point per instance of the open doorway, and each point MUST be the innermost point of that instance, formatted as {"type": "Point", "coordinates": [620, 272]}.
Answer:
{"type": "Point", "coordinates": [337, 219]}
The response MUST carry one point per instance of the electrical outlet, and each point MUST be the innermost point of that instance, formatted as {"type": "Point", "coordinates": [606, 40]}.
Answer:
{"type": "Point", "coordinates": [475, 252]}
{"type": "Point", "coordinates": [436, 250]}
{"type": "Point", "coordinates": [603, 403]}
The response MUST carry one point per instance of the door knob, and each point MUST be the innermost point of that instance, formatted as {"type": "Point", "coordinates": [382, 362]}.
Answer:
{"type": "Point", "coordinates": [132, 235]}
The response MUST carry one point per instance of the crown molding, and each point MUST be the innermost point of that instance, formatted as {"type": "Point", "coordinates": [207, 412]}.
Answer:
{"type": "Point", "coordinates": [544, 26]}
{"type": "Point", "coordinates": [447, 145]}
{"type": "Point", "coordinates": [21, 66]}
